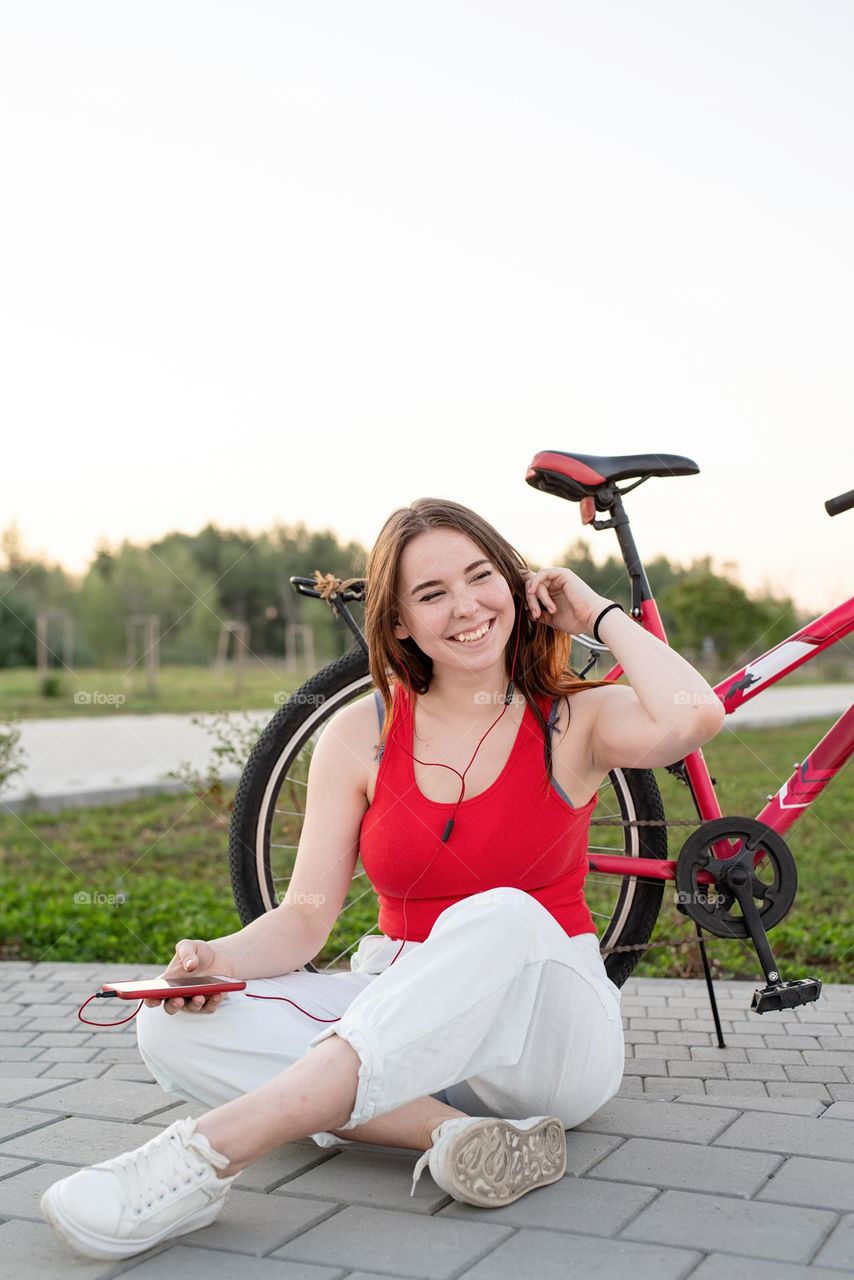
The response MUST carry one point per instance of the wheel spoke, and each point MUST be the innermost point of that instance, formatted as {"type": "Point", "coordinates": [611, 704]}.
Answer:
{"type": "Point", "coordinates": [353, 946]}
{"type": "Point", "coordinates": [352, 903]}
{"type": "Point", "coordinates": [356, 875]}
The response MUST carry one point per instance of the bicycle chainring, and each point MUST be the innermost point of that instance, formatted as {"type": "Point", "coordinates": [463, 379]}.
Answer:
{"type": "Point", "coordinates": [769, 864]}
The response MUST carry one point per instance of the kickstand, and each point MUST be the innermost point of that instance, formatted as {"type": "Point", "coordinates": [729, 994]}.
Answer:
{"type": "Point", "coordinates": [701, 943]}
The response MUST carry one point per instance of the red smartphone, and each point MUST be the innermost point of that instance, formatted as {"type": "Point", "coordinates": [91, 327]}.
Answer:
{"type": "Point", "coordinates": [170, 988]}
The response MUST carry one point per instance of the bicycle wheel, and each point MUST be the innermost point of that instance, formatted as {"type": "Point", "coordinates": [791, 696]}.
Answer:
{"type": "Point", "coordinates": [270, 805]}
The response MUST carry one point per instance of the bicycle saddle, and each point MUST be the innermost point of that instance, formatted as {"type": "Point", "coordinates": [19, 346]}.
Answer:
{"type": "Point", "coordinates": [578, 475]}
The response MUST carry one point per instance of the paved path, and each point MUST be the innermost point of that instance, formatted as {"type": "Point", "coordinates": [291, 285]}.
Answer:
{"type": "Point", "coordinates": [710, 1163]}
{"type": "Point", "coordinates": [83, 760]}
{"type": "Point", "coordinates": [80, 760]}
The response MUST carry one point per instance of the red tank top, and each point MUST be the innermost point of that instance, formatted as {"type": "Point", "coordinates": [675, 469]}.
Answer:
{"type": "Point", "coordinates": [518, 832]}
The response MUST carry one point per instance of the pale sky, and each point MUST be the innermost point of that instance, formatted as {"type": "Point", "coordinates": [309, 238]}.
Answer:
{"type": "Point", "coordinates": [275, 261]}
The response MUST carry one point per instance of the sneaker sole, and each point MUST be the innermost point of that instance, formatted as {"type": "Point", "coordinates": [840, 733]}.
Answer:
{"type": "Point", "coordinates": [493, 1163]}
{"type": "Point", "coordinates": [94, 1246]}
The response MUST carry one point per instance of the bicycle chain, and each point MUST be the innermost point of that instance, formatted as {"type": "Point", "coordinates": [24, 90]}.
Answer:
{"type": "Point", "coordinates": [645, 822]}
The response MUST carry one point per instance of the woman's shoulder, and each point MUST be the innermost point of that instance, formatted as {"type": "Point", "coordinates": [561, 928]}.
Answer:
{"type": "Point", "coordinates": [357, 729]}
{"type": "Point", "coordinates": [586, 701]}
{"type": "Point", "coordinates": [588, 695]}
{"type": "Point", "coordinates": [580, 700]}
{"type": "Point", "coordinates": [579, 709]}
{"type": "Point", "coordinates": [360, 719]}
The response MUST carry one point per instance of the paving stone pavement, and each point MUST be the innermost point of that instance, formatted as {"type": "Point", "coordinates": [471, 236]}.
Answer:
{"type": "Point", "coordinates": [709, 1163]}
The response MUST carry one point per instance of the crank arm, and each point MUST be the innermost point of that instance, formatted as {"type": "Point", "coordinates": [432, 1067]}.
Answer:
{"type": "Point", "coordinates": [737, 880]}
{"type": "Point", "coordinates": [777, 994]}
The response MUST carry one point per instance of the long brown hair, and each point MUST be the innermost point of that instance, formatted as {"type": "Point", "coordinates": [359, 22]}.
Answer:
{"type": "Point", "coordinates": [543, 657]}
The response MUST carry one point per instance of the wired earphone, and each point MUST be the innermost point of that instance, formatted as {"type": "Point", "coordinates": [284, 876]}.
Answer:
{"type": "Point", "coordinates": [449, 826]}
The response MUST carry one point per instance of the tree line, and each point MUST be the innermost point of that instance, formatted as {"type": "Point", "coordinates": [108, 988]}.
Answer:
{"type": "Point", "coordinates": [196, 581]}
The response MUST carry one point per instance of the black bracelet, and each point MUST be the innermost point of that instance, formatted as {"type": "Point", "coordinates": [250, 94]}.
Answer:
{"type": "Point", "coordinates": [596, 635]}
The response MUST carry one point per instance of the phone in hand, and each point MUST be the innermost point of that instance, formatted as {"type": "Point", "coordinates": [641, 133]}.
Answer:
{"type": "Point", "coordinates": [172, 988]}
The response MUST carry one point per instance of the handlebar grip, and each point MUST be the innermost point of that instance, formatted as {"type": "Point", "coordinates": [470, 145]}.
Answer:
{"type": "Point", "coordinates": [845, 501]}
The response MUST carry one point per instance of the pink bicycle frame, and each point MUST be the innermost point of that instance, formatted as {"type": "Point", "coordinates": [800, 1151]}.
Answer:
{"type": "Point", "coordinates": [802, 786]}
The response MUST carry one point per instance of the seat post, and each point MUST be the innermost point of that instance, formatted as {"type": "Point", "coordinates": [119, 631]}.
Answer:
{"type": "Point", "coordinates": [610, 500]}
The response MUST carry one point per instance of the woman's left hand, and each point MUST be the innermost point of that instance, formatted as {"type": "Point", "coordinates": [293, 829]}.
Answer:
{"type": "Point", "coordinates": [560, 599]}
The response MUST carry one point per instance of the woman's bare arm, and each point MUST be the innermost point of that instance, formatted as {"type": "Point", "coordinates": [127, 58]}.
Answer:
{"type": "Point", "coordinates": [287, 937]}
{"type": "Point", "coordinates": [667, 711]}
{"type": "Point", "coordinates": [277, 942]}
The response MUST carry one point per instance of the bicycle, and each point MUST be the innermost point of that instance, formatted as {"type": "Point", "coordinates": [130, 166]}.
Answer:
{"type": "Point", "coordinates": [624, 886]}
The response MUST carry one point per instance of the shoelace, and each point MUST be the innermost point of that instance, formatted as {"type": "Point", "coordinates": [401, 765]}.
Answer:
{"type": "Point", "coordinates": [423, 1160]}
{"type": "Point", "coordinates": [420, 1166]}
{"type": "Point", "coordinates": [149, 1172]}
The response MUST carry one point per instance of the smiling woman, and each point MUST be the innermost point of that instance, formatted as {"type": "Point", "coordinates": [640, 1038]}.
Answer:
{"type": "Point", "coordinates": [480, 1022]}
{"type": "Point", "coordinates": [451, 638]}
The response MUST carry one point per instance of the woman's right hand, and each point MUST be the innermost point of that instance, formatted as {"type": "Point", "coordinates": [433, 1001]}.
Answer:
{"type": "Point", "coordinates": [193, 957]}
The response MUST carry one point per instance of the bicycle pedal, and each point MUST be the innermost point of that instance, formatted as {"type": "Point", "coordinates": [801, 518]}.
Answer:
{"type": "Point", "coordinates": [786, 995]}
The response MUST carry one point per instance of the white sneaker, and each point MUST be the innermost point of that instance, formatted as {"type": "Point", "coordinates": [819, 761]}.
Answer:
{"type": "Point", "coordinates": [490, 1162]}
{"type": "Point", "coordinates": [120, 1207]}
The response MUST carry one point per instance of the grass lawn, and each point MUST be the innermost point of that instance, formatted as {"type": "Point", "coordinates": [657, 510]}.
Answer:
{"type": "Point", "coordinates": [115, 692]}
{"type": "Point", "coordinates": [168, 855]}
{"type": "Point", "coordinates": [191, 689]}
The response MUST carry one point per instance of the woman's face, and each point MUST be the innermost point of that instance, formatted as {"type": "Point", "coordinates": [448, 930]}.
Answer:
{"type": "Point", "coordinates": [448, 588]}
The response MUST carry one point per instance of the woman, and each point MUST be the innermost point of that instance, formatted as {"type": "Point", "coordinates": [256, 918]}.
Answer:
{"type": "Point", "coordinates": [478, 1023]}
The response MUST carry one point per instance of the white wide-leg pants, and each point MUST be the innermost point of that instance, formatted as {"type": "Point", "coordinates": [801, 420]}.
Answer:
{"type": "Point", "coordinates": [498, 1013]}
